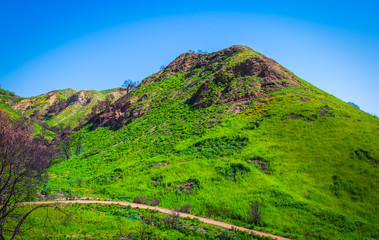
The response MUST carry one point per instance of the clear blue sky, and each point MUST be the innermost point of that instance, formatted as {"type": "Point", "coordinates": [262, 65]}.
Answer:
{"type": "Point", "coordinates": [48, 45]}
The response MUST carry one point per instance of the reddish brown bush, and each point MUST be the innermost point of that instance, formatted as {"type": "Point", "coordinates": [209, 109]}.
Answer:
{"type": "Point", "coordinates": [22, 163]}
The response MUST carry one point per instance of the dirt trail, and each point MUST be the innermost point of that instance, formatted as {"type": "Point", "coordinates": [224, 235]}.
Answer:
{"type": "Point", "coordinates": [168, 211]}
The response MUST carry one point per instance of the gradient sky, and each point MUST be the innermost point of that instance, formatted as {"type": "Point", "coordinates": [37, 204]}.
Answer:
{"type": "Point", "coordinates": [49, 45]}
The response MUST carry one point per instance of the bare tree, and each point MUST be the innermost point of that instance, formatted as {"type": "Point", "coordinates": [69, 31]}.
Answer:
{"type": "Point", "coordinates": [22, 163]}
{"type": "Point", "coordinates": [129, 85]}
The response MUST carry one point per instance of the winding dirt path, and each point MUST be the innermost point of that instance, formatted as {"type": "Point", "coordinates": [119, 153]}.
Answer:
{"type": "Point", "coordinates": [164, 210]}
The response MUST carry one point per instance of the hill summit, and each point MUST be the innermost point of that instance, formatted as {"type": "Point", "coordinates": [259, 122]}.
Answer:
{"type": "Point", "coordinates": [234, 75]}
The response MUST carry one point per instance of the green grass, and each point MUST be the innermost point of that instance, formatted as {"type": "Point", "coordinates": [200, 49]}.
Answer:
{"type": "Point", "coordinates": [66, 93]}
{"type": "Point", "coordinates": [94, 221]}
{"type": "Point", "coordinates": [37, 130]}
{"type": "Point", "coordinates": [305, 154]}
{"type": "Point", "coordinates": [105, 92]}
{"type": "Point", "coordinates": [42, 132]}
{"type": "Point", "coordinates": [8, 97]}
{"type": "Point", "coordinates": [9, 111]}
{"type": "Point", "coordinates": [308, 158]}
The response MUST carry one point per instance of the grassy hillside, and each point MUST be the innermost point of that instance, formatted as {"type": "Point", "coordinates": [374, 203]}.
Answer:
{"type": "Point", "coordinates": [219, 131]}
{"type": "Point", "coordinates": [76, 108]}
{"type": "Point", "coordinates": [8, 97]}
{"type": "Point", "coordinates": [9, 111]}
{"type": "Point", "coordinates": [58, 109]}
{"type": "Point", "coordinates": [65, 107]}
{"type": "Point", "coordinates": [37, 130]}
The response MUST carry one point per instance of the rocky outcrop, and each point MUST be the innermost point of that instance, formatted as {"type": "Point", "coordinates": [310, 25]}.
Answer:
{"type": "Point", "coordinates": [80, 98]}
{"type": "Point", "coordinates": [47, 99]}
{"type": "Point", "coordinates": [119, 113]}
{"type": "Point", "coordinates": [242, 81]}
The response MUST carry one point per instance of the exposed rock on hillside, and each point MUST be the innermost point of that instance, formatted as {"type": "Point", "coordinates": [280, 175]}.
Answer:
{"type": "Point", "coordinates": [30, 103]}
{"type": "Point", "coordinates": [66, 106]}
{"type": "Point", "coordinates": [119, 112]}
{"type": "Point", "coordinates": [234, 75]}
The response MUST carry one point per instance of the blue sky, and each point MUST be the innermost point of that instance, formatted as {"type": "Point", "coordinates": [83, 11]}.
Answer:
{"type": "Point", "coordinates": [48, 45]}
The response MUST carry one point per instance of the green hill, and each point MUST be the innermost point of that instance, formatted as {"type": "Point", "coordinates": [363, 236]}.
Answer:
{"type": "Point", "coordinates": [219, 131]}
{"type": "Point", "coordinates": [8, 110]}
{"type": "Point", "coordinates": [8, 98]}
{"type": "Point", "coordinates": [66, 107]}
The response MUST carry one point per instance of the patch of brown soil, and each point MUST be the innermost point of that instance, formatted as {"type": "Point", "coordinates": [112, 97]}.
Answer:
{"type": "Point", "coordinates": [325, 112]}
{"type": "Point", "coordinates": [235, 108]}
{"type": "Point", "coordinates": [187, 187]}
{"type": "Point", "coordinates": [30, 103]}
{"type": "Point", "coordinates": [162, 164]}
{"type": "Point", "coordinates": [293, 116]}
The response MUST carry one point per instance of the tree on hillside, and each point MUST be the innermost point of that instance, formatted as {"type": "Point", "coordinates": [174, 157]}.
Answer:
{"type": "Point", "coordinates": [23, 161]}
{"type": "Point", "coordinates": [201, 51]}
{"type": "Point", "coordinates": [129, 85]}
{"type": "Point", "coordinates": [64, 146]}
{"type": "Point", "coordinates": [353, 104]}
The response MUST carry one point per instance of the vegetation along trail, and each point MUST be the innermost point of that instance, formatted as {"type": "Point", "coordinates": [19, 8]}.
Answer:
{"type": "Point", "coordinates": [164, 210]}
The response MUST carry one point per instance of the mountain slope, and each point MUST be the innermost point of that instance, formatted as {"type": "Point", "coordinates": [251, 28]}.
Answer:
{"type": "Point", "coordinates": [67, 107]}
{"type": "Point", "coordinates": [8, 98]}
{"type": "Point", "coordinates": [219, 131]}
{"type": "Point", "coordinates": [234, 75]}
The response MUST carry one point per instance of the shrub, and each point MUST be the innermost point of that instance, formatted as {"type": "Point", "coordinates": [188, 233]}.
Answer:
{"type": "Point", "coordinates": [226, 235]}
{"type": "Point", "coordinates": [353, 104]}
{"type": "Point", "coordinates": [154, 202]}
{"type": "Point", "coordinates": [141, 200]}
{"type": "Point", "coordinates": [186, 208]}
{"type": "Point", "coordinates": [191, 184]}
{"type": "Point", "coordinates": [214, 147]}
{"type": "Point", "coordinates": [46, 189]}
{"type": "Point", "coordinates": [233, 171]}
{"type": "Point", "coordinates": [79, 181]}
{"type": "Point", "coordinates": [171, 221]}
{"type": "Point", "coordinates": [254, 213]}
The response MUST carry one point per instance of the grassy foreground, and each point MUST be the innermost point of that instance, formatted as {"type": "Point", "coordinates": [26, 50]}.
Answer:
{"type": "Point", "coordinates": [95, 221]}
